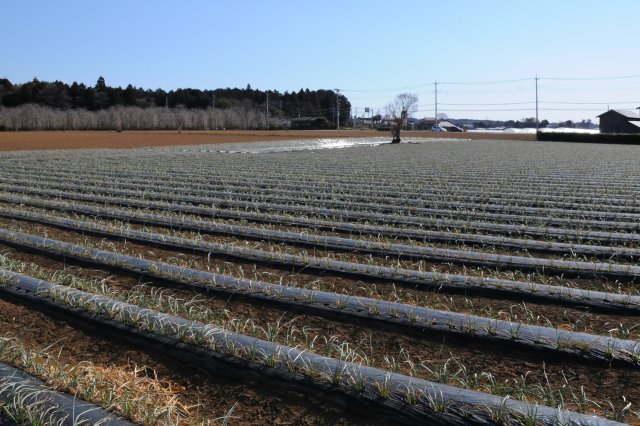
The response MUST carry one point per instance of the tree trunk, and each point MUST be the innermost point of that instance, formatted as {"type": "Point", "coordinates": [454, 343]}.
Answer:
{"type": "Point", "coordinates": [395, 130]}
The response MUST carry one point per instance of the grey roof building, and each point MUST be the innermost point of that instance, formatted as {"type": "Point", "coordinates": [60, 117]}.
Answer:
{"type": "Point", "coordinates": [619, 121]}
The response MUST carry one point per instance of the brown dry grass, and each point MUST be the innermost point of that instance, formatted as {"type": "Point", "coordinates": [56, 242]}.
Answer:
{"type": "Point", "coordinates": [15, 141]}
{"type": "Point", "coordinates": [136, 392]}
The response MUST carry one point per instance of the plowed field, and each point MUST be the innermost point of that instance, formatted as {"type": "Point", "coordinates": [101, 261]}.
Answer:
{"type": "Point", "coordinates": [442, 282]}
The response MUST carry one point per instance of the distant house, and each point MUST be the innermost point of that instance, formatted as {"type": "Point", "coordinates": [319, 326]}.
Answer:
{"type": "Point", "coordinates": [309, 123]}
{"type": "Point", "coordinates": [450, 126]}
{"type": "Point", "coordinates": [428, 122]}
{"type": "Point", "coordinates": [619, 121]}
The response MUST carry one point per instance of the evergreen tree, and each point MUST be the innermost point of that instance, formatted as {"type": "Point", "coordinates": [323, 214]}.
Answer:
{"type": "Point", "coordinates": [100, 84]}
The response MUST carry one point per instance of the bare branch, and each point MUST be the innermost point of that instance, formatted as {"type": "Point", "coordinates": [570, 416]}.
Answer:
{"type": "Point", "coordinates": [403, 106]}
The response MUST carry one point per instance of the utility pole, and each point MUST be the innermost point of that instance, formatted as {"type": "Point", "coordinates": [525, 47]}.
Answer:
{"type": "Point", "coordinates": [337, 109]}
{"type": "Point", "coordinates": [537, 121]}
{"type": "Point", "coordinates": [436, 92]}
{"type": "Point", "coordinates": [267, 110]}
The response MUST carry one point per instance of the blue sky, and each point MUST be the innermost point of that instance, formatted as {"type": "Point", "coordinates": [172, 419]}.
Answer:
{"type": "Point", "coordinates": [371, 50]}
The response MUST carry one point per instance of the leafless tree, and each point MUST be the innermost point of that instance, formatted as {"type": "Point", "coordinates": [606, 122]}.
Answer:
{"type": "Point", "coordinates": [403, 106]}
{"type": "Point", "coordinates": [37, 117]}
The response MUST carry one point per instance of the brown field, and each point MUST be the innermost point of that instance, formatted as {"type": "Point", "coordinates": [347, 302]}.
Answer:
{"type": "Point", "coordinates": [15, 141]}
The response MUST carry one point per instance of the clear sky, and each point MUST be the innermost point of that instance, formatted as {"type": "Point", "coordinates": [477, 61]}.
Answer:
{"type": "Point", "coordinates": [371, 50]}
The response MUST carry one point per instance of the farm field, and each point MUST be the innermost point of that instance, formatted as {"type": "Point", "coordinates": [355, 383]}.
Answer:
{"type": "Point", "coordinates": [437, 282]}
{"type": "Point", "coordinates": [12, 141]}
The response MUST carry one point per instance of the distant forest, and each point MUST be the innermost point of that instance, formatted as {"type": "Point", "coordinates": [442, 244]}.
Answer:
{"type": "Point", "coordinates": [40, 105]}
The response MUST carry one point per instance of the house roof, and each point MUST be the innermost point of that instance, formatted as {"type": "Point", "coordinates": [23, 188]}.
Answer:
{"type": "Point", "coordinates": [304, 119]}
{"type": "Point", "coordinates": [446, 124]}
{"type": "Point", "coordinates": [635, 123]}
{"type": "Point", "coordinates": [625, 113]}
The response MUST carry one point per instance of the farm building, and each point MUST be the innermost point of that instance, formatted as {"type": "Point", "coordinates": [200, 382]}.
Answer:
{"type": "Point", "coordinates": [619, 121]}
{"type": "Point", "coordinates": [450, 126]}
{"type": "Point", "coordinates": [428, 122]}
{"type": "Point", "coordinates": [309, 123]}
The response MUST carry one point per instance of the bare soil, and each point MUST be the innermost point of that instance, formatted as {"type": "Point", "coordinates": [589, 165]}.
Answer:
{"type": "Point", "coordinates": [18, 141]}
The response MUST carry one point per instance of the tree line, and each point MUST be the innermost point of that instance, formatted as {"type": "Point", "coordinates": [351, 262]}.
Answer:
{"type": "Point", "coordinates": [41, 105]}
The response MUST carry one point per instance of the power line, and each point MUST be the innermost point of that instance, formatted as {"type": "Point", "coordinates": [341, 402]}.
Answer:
{"type": "Point", "coordinates": [571, 109]}
{"type": "Point", "coordinates": [494, 104]}
{"type": "Point", "coordinates": [490, 110]}
{"type": "Point", "coordinates": [392, 89]}
{"type": "Point", "coordinates": [480, 83]}
{"type": "Point", "coordinates": [619, 77]}
{"type": "Point", "coordinates": [490, 82]}
{"type": "Point", "coordinates": [589, 103]}
{"type": "Point", "coordinates": [523, 86]}
{"type": "Point", "coordinates": [493, 82]}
